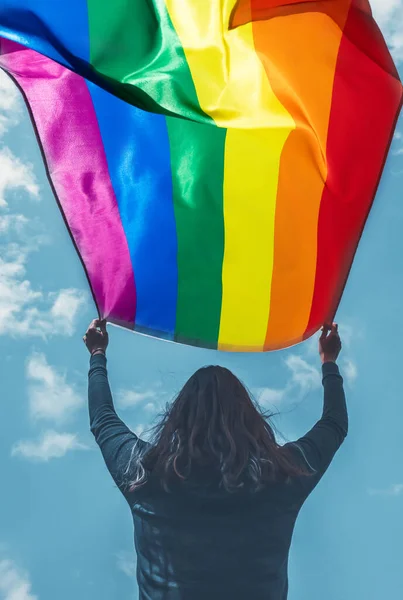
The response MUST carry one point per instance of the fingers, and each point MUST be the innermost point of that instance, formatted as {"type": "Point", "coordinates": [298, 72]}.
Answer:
{"type": "Point", "coordinates": [334, 333]}
{"type": "Point", "coordinates": [98, 323]}
{"type": "Point", "coordinates": [330, 335]}
{"type": "Point", "coordinates": [93, 324]}
{"type": "Point", "coordinates": [325, 330]}
{"type": "Point", "coordinates": [333, 328]}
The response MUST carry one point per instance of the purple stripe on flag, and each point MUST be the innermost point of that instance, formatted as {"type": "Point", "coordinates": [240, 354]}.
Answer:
{"type": "Point", "coordinates": [66, 123]}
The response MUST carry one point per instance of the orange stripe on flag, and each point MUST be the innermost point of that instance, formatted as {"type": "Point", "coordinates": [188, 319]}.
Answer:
{"type": "Point", "coordinates": [268, 9]}
{"type": "Point", "coordinates": [301, 75]}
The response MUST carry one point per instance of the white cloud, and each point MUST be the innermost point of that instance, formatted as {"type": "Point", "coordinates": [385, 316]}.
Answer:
{"type": "Point", "coordinates": [51, 445]}
{"type": "Point", "coordinates": [389, 16]}
{"type": "Point", "coordinates": [384, 9]}
{"type": "Point", "coordinates": [65, 304]}
{"type": "Point", "coordinates": [15, 223]}
{"type": "Point", "coordinates": [130, 398]}
{"type": "Point", "coordinates": [269, 396]}
{"type": "Point", "coordinates": [15, 293]}
{"type": "Point", "coordinates": [50, 396]}
{"type": "Point", "coordinates": [10, 103]}
{"type": "Point", "coordinates": [398, 152]}
{"type": "Point", "coordinates": [397, 136]}
{"type": "Point", "coordinates": [141, 430]}
{"type": "Point", "coordinates": [303, 375]}
{"type": "Point", "coordinates": [126, 562]}
{"type": "Point", "coordinates": [394, 490]}
{"type": "Point", "coordinates": [65, 308]}
{"type": "Point", "coordinates": [350, 371]}
{"type": "Point", "coordinates": [25, 311]}
{"type": "Point", "coordinates": [304, 378]}
{"type": "Point", "coordinates": [14, 583]}
{"type": "Point", "coordinates": [15, 174]}
{"type": "Point", "coordinates": [348, 333]}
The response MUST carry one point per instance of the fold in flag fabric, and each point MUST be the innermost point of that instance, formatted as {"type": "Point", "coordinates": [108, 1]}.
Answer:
{"type": "Point", "coordinates": [215, 162]}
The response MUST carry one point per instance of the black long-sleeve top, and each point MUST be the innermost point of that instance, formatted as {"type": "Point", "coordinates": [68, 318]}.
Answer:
{"type": "Point", "coordinates": [199, 542]}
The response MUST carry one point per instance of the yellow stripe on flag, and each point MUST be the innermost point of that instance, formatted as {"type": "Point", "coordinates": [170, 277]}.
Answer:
{"type": "Point", "coordinates": [231, 84]}
{"type": "Point", "coordinates": [252, 160]}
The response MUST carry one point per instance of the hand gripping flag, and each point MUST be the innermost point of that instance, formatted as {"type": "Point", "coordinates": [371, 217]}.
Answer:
{"type": "Point", "coordinates": [215, 161]}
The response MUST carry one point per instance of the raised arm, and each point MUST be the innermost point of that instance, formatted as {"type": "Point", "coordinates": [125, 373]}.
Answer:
{"type": "Point", "coordinates": [117, 442]}
{"type": "Point", "coordinates": [318, 447]}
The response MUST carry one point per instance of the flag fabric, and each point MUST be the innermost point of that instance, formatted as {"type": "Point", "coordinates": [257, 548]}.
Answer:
{"type": "Point", "coordinates": [215, 161]}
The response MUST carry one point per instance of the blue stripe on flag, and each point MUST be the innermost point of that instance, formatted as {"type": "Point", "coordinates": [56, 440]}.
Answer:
{"type": "Point", "coordinates": [46, 26]}
{"type": "Point", "coordinates": [137, 149]}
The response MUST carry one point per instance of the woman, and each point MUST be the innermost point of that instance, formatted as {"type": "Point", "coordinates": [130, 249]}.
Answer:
{"type": "Point", "coordinates": [214, 498]}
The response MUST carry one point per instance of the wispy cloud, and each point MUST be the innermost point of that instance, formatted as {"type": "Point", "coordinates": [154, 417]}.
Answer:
{"type": "Point", "coordinates": [15, 174]}
{"type": "Point", "coordinates": [268, 396]}
{"type": "Point", "coordinates": [14, 582]}
{"type": "Point", "coordinates": [13, 223]}
{"type": "Point", "coordinates": [397, 137]}
{"type": "Point", "coordinates": [394, 490]}
{"type": "Point", "coordinates": [16, 293]}
{"type": "Point", "coordinates": [350, 371]}
{"type": "Point", "coordinates": [64, 310]}
{"type": "Point", "coordinates": [303, 374]}
{"type": "Point", "coordinates": [131, 398]}
{"type": "Point", "coordinates": [10, 104]}
{"type": "Point", "coordinates": [141, 430]}
{"type": "Point", "coordinates": [126, 562]}
{"type": "Point", "coordinates": [50, 396]}
{"type": "Point", "coordinates": [51, 445]}
{"type": "Point", "coordinates": [25, 311]}
{"type": "Point", "coordinates": [147, 400]}
{"type": "Point", "coordinates": [304, 378]}
{"type": "Point", "coordinates": [349, 333]}
{"type": "Point", "coordinates": [389, 16]}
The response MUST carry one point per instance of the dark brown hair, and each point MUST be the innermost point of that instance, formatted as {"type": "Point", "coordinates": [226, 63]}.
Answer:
{"type": "Point", "coordinates": [214, 423]}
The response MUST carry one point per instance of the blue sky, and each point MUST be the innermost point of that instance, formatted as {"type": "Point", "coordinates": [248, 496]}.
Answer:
{"type": "Point", "coordinates": [65, 531]}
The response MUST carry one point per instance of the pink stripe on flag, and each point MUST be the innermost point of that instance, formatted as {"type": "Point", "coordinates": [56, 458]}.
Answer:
{"type": "Point", "coordinates": [68, 129]}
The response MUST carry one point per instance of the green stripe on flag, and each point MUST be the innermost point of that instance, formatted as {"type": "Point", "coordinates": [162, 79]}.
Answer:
{"type": "Point", "coordinates": [140, 55]}
{"type": "Point", "coordinates": [197, 163]}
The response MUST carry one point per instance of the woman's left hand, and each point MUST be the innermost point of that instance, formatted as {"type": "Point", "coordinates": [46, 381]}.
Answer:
{"type": "Point", "coordinates": [96, 337]}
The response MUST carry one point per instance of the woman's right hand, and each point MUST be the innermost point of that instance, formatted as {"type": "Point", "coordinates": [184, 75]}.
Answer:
{"type": "Point", "coordinates": [96, 337]}
{"type": "Point", "coordinates": [329, 343]}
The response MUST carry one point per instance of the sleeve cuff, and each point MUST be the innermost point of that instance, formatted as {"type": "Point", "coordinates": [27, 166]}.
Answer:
{"type": "Point", "coordinates": [98, 359]}
{"type": "Point", "coordinates": [330, 368]}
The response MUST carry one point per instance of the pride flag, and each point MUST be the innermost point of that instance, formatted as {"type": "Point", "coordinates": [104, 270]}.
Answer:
{"type": "Point", "coordinates": [215, 161]}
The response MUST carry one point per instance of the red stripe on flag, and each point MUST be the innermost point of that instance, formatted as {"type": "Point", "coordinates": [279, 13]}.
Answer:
{"type": "Point", "coordinates": [366, 104]}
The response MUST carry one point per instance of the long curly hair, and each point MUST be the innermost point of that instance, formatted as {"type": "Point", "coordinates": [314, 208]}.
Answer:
{"type": "Point", "coordinates": [213, 423]}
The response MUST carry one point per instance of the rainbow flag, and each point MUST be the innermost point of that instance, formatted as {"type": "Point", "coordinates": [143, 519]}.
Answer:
{"type": "Point", "coordinates": [215, 161]}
